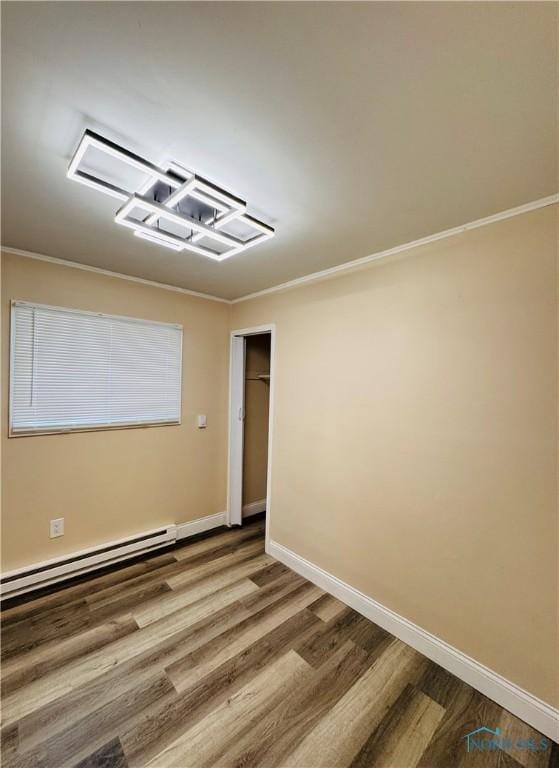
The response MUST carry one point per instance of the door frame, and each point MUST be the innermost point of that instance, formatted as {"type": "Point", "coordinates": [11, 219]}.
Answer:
{"type": "Point", "coordinates": [234, 371]}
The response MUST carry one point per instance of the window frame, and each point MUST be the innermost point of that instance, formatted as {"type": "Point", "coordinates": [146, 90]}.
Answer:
{"type": "Point", "coordinates": [66, 430]}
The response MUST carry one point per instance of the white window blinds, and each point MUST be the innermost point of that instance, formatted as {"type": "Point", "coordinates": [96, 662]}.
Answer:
{"type": "Point", "coordinates": [79, 370]}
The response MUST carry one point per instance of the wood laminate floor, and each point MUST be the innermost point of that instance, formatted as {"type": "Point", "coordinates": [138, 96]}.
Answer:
{"type": "Point", "coordinates": [213, 654]}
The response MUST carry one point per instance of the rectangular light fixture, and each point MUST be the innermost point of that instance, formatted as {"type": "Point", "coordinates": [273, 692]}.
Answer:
{"type": "Point", "coordinates": [172, 195]}
{"type": "Point", "coordinates": [158, 240]}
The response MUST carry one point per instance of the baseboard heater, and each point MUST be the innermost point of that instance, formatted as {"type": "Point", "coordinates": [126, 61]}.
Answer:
{"type": "Point", "coordinates": [49, 572]}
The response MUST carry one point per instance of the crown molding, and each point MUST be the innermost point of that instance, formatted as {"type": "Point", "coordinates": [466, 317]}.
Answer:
{"type": "Point", "coordinates": [109, 273]}
{"type": "Point", "coordinates": [323, 274]}
{"type": "Point", "coordinates": [365, 260]}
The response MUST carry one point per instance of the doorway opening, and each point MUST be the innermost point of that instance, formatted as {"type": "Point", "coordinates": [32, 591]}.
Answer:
{"type": "Point", "coordinates": [250, 424]}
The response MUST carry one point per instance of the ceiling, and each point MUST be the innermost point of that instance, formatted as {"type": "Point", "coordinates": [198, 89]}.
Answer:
{"type": "Point", "coordinates": [350, 127]}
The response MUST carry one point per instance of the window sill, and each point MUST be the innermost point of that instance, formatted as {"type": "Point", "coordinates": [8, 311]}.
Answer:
{"type": "Point", "coordinates": [97, 428]}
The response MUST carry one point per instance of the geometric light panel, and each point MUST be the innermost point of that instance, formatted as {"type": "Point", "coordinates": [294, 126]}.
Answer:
{"type": "Point", "coordinates": [172, 207]}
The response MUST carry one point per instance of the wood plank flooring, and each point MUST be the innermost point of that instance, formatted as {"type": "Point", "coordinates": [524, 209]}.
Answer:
{"type": "Point", "coordinates": [213, 654]}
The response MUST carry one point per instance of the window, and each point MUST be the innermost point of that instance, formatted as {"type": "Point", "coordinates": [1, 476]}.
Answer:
{"type": "Point", "coordinates": [72, 370]}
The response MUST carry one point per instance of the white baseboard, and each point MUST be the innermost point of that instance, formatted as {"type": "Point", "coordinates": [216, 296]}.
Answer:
{"type": "Point", "coordinates": [254, 508]}
{"type": "Point", "coordinates": [184, 530]}
{"type": "Point", "coordinates": [55, 570]}
{"type": "Point", "coordinates": [59, 569]}
{"type": "Point", "coordinates": [524, 705]}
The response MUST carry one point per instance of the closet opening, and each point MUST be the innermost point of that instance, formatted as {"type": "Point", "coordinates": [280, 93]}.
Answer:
{"type": "Point", "coordinates": [250, 422]}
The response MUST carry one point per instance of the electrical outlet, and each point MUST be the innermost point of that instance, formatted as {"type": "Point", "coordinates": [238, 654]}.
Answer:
{"type": "Point", "coordinates": [57, 527]}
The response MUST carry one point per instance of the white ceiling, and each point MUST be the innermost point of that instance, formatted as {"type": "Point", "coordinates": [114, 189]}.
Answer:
{"type": "Point", "coordinates": [350, 127]}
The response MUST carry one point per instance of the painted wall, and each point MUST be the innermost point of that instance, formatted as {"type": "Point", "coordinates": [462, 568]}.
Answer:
{"type": "Point", "coordinates": [257, 403]}
{"type": "Point", "coordinates": [415, 438]}
{"type": "Point", "coordinates": [115, 483]}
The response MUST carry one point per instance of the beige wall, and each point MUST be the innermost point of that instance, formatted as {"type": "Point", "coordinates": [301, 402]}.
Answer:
{"type": "Point", "coordinates": [257, 403]}
{"type": "Point", "coordinates": [115, 483]}
{"type": "Point", "coordinates": [415, 437]}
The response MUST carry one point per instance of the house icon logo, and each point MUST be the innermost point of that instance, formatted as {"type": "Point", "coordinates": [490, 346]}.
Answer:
{"type": "Point", "coordinates": [477, 739]}
{"type": "Point", "coordinates": [485, 739]}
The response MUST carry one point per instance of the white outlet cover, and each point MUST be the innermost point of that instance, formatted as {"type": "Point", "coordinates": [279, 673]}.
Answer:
{"type": "Point", "coordinates": [57, 527]}
{"type": "Point", "coordinates": [202, 421]}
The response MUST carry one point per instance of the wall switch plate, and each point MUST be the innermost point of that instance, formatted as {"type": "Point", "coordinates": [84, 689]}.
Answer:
{"type": "Point", "coordinates": [57, 527]}
{"type": "Point", "coordinates": [202, 421]}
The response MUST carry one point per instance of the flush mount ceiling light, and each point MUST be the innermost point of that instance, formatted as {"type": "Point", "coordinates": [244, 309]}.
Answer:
{"type": "Point", "coordinates": [172, 207]}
